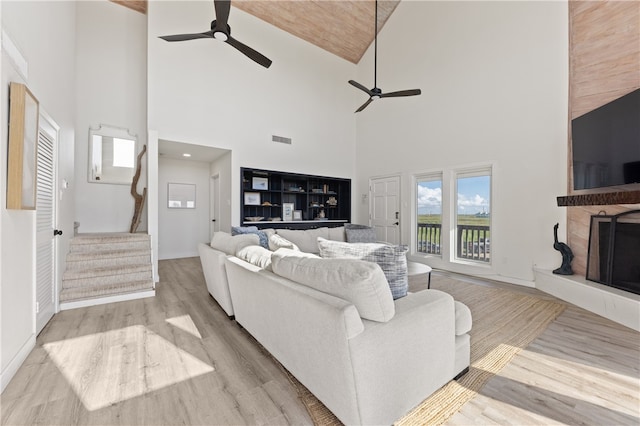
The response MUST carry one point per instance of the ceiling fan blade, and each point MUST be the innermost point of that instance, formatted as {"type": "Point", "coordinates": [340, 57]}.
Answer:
{"type": "Point", "coordinates": [249, 52]}
{"type": "Point", "coordinates": [411, 92]}
{"type": "Point", "coordinates": [364, 105]}
{"type": "Point", "coordinates": [222, 14]}
{"type": "Point", "coordinates": [185, 37]}
{"type": "Point", "coordinates": [360, 86]}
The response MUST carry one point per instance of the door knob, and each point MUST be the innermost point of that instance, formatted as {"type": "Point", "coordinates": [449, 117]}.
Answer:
{"type": "Point", "coordinates": [397, 223]}
{"type": "Point", "coordinates": [57, 232]}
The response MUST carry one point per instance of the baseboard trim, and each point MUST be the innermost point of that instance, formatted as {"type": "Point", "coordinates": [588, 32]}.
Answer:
{"type": "Point", "coordinates": [620, 306]}
{"type": "Point", "coordinates": [17, 361]}
{"type": "Point", "coordinates": [64, 306]}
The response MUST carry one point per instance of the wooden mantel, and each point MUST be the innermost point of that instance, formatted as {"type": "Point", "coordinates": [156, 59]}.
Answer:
{"type": "Point", "coordinates": [601, 199]}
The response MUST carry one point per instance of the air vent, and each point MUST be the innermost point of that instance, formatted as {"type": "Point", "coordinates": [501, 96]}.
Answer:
{"type": "Point", "coordinates": [281, 139]}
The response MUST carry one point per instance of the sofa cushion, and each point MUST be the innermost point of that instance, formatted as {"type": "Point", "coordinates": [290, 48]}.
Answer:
{"type": "Point", "coordinates": [277, 241]}
{"type": "Point", "coordinates": [230, 244]}
{"type": "Point", "coordinates": [306, 240]}
{"type": "Point", "coordinates": [392, 259]}
{"type": "Point", "coordinates": [463, 318]}
{"type": "Point", "coordinates": [256, 255]}
{"type": "Point", "coordinates": [361, 283]}
{"type": "Point", "coordinates": [264, 238]}
{"type": "Point", "coordinates": [337, 234]}
{"type": "Point", "coordinates": [360, 233]}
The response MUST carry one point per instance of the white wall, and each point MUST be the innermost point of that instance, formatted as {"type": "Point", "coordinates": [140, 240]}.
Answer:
{"type": "Point", "coordinates": [182, 229]}
{"type": "Point", "coordinates": [207, 93]}
{"type": "Point", "coordinates": [494, 80]}
{"type": "Point", "coordinates": [111, 89]}
{"type": "Point", "coordinates": [35, 27]}
{"type": "Point", "coordinates": [222, 168]}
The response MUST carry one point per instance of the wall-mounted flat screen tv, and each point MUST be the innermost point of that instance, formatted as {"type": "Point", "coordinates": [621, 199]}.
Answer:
{"type": "Point", "coordinates": [606, 144]}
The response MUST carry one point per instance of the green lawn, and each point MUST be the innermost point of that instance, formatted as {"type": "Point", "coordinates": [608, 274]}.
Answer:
{"type": "Point", "coordinates": [462, 219]}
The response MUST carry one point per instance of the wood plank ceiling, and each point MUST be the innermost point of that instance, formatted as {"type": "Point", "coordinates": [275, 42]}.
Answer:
{"type": "Point", "coordinates": [342, 27]}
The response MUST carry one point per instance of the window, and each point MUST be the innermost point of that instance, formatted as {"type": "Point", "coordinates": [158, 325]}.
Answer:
{"type": "Point", "coordinates": [123, 152]}
{"type": "Point", "coordinates": [473, 215]}
{"type": "Point", "coordinates": [429, 214]}
{"type": "Point", "coordinates": [453, 215]}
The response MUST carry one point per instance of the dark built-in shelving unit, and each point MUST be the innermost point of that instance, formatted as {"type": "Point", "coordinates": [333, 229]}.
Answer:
{"type": "Point", "coordinates": [264, 192]}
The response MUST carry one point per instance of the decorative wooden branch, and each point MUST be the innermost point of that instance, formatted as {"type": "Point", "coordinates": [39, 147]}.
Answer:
{"type": "Point", "coordinates": [139, 203]}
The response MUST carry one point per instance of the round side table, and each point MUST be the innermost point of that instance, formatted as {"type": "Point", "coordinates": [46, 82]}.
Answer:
{"type": "Point", "coordinates": [419, 271]}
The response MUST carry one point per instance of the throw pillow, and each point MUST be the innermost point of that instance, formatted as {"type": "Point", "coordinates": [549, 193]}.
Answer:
{"type": "Point", "coordinates": [276, 242]}
{"type": "Point", "coordinates": [264, 239]}
{"type": "Point", "coordinates": [361, 283]}
{"type": "Point", "coordinates": [360, 233]}
{"type": "Point", "coordinates": [229, 244]}
{"type": "Point", "coordinates": [256, 255]}
{"type": "Point", "coordinates": [392, 259]}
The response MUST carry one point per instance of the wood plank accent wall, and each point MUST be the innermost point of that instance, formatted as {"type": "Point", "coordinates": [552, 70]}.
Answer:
{"type": "Point", "coordinates": [604, 51]}
{"type": "Point", "coordinates": [137, 5]}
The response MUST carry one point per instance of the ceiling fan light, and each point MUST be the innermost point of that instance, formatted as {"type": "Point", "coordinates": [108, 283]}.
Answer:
{"type": "Point", "coordinates": [219, 35]}
{"type": "Point", "coordinates": [374, 97]}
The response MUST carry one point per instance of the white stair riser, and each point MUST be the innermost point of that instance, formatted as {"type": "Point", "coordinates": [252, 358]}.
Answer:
{"type": "Point", "coordinates": [108, 238]}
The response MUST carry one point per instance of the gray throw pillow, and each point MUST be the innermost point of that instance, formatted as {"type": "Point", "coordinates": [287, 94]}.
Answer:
{"type": "Point", "coordinates": [392, 259]}
{"type": "Point", "coordinates": [360, 233]}
{"type": "Point", "coordinates": [264, 239]}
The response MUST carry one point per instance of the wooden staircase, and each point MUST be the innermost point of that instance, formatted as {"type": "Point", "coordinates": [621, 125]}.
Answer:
{"type": "Point", "coordinates": [108, 267]}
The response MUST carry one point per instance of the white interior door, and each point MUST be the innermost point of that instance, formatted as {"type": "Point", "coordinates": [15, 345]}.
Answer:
{"type": "Point", "coordinates": [384, 208]}
{"type": "Point", "coordinates": [45, 222]}
{"type": "Point", "coordinates": [214, 209]}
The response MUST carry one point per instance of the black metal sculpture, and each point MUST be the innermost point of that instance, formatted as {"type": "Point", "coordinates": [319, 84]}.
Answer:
{"type": "Point", "coordinates": [567, 254]}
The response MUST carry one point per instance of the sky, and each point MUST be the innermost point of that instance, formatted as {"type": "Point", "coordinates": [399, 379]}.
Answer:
{"type": "Point", "coordinates": [473, 196]}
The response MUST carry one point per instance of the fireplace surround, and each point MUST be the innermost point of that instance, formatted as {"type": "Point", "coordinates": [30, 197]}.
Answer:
{"type": "Point", "coordinates": [614, 250]}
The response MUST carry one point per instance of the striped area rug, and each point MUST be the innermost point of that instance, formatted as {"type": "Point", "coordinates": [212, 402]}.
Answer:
{"type": "Point", "coordinates": [504, 323]}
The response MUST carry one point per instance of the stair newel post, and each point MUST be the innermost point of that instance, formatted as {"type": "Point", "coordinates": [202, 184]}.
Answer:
{"type": "Point", "coordinates": [139, 198]}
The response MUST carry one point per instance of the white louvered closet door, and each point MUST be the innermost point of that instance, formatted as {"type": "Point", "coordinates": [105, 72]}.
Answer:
{"type": "Point", "coordinates": [45, 224]}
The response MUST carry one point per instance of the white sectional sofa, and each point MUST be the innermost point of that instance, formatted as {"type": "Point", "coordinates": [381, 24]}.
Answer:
{"type": "Point", "coordinates": [213, 260]}
{"type": "Point", "coordinates": [335, 326]}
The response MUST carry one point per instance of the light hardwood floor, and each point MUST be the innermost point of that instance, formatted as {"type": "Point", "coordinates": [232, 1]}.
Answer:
{"type": "Point", "coordinates": [177, 359]}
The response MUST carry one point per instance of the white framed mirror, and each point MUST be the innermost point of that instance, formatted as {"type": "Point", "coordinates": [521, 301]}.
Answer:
{"type": "Point", "coordinates": [112, 155]}
{"type": "Point", "coordinates": [181, 196]}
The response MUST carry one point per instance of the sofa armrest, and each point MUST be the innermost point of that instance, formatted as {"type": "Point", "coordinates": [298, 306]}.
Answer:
{"type": "Point", "coordinates": [399, 363]}
{"type": "Point", "coordinates": [215, 276]}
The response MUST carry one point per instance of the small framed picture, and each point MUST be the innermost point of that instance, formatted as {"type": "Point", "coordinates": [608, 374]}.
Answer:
{"type": "Point", "coordinates": [251, 198]}
{"type": "Point", "coordinates": [287, 211]}
{"type": "Point", "coordinates": [260, 183]}
{"type": "Point", "coordinates": [297, 215]}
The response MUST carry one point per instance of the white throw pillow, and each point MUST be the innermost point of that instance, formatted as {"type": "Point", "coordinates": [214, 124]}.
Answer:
{"type": "Point", "coordinates": [256, 255]}
{"type": "Point", "coordinates": [229, 244]}
{"type": "Point", "coordinates": [361, 283]}
{"type": "Point", "coordinates": [276, 242]}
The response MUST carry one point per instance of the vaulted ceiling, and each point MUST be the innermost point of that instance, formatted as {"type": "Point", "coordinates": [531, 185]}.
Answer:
{"type": "Point", "coordinates": [342, 27]}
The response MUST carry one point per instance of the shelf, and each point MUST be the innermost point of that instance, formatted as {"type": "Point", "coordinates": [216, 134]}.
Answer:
{"type": "Point", "coordinates": [279, 185]}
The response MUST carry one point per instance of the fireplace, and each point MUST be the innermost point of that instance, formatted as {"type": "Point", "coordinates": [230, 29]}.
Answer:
{"type": "Point", "coordinates": [614, 251]}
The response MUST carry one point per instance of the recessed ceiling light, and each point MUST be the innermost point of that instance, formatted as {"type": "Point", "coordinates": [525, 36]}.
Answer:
{"type": "Point", "coordinates": [186, 155]}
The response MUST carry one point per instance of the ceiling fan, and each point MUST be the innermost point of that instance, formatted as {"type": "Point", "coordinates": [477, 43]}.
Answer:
{"type": "Point", "coordinates": [376, 92]}
{"type": "Point", "coordinates": [220, 30]}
